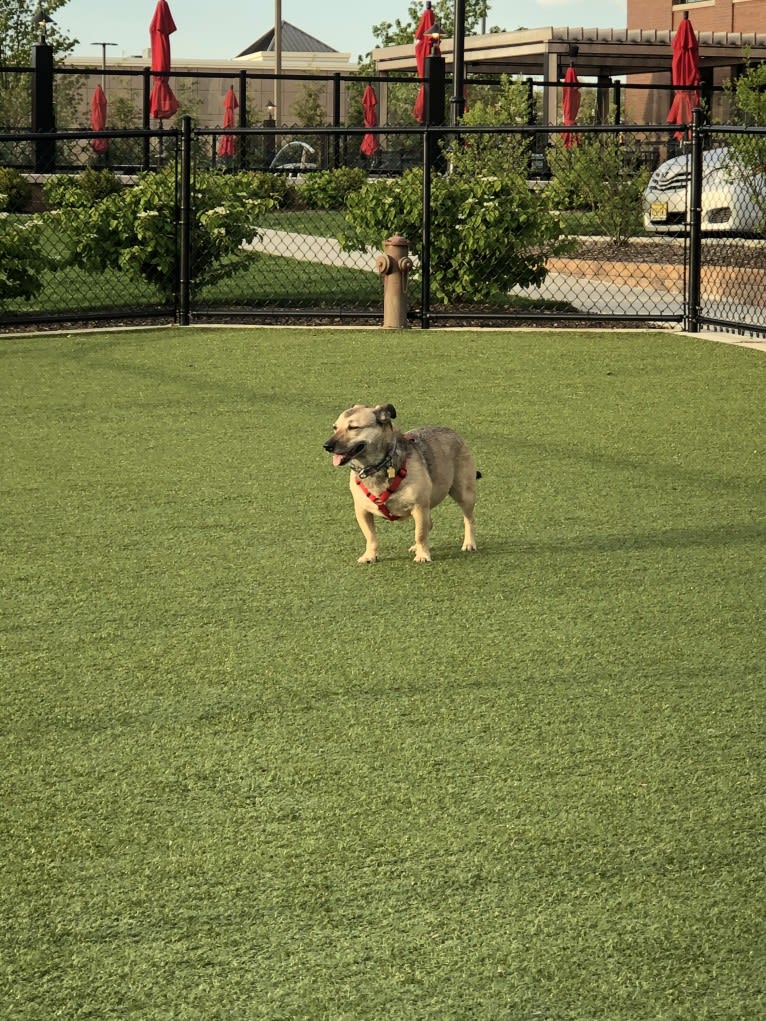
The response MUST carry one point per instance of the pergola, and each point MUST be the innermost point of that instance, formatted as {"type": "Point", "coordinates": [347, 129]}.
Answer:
{"type": "Point", "coordinates": [604, 53]}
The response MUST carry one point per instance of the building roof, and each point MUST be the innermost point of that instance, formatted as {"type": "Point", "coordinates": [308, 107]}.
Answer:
{"type": "Point", "coordinates": [294, 40]}
{"type": "Point", "coordinates": [608, 51]}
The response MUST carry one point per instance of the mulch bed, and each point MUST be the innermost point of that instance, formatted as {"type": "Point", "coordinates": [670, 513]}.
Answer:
{"type": "Point", "coordinates": [739, 252]}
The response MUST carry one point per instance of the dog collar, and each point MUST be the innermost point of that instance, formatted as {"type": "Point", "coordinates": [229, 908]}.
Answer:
{"type": "Point", "coordinates": [379, 499]}
{"type": "Point", "coordinates": [370, 469]}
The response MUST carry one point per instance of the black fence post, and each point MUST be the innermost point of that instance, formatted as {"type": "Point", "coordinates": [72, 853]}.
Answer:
{"type": "Point", "coordinates": [336, 119]}
{"type": "Point", "coordinates": [43, 115]}
{"type": "Point", "coordinates": [692, 323]}
{"type": "Point", "coordinates": [435, 99]}
{"type": "Point", "coordinates": [458, 65]}
{"type": "Point", "coordinates": [145, 122]}
{"type": "Point", "coordinates": [244, 141]}
{"type": "Point", "coordinates": [425, 245]}
{"type": "Point", "coordinates": [184, 267]}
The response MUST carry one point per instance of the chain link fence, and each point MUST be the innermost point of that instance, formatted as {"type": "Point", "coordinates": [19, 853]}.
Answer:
{"type": "Point", "coordinates": [601, 230]}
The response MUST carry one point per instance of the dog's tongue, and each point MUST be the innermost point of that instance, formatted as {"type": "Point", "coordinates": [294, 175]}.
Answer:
{"type": "Point", "coordinates": [337, 460]}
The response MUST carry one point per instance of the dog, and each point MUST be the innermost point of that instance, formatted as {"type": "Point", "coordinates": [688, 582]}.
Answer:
{"type": "Point", "coordinates": [396, 476]}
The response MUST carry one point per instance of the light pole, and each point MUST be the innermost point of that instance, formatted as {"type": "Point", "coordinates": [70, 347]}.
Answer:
{"type": "Point", "coordinates": [103, 61]}
{"type": "Point", "coordinates": [277, 53]}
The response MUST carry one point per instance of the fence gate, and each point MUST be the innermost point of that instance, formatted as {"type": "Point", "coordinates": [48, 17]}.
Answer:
{"type": "Point", "coordinates": [730, 248]}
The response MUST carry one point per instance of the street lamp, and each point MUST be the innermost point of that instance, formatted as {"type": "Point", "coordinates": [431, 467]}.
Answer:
{"type": "Point", "coordinates": [103, 61]}
{"type": "Point", "coordinates": [40, 19]}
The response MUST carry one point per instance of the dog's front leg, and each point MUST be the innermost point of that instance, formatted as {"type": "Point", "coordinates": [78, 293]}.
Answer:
{"type": "Point", "coordinates": [422, 518]}
{"type": "Point", "coordinates": [366, 522]}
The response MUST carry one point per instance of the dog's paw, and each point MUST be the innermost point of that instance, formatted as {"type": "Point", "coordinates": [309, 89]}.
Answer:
{"type": "Point", "coordinates": [424, 557]}
{"type": "Point", "coordinates": [469, 547]}
{"type": "Point", "coordinates": [365, 559]}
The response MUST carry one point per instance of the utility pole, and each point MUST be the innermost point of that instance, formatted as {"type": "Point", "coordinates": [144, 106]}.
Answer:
{"type": "Point", "coordinates": [103, 61]}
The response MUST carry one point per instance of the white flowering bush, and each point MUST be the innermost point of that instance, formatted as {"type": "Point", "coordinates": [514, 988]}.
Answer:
{"type": "Point", "coordinates": [22, 259]}
{"type": "Point", "coordinates": [135, 229]}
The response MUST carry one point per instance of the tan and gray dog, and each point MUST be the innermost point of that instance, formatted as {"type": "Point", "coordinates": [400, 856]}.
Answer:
{"type": "Point", "coordinates": [395, 475]}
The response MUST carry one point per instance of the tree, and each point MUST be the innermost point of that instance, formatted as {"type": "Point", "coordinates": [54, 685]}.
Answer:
{"type": "Point", "coordinates": [749, 101]}
{"type": "Point", "coordinates": [400, 33]}
{"type": "Point", "coordinates": [494, 153]}
{"type": "Point", "coordinates": [603, 175]}
{"type": "Point", "coordinates": [18, 34]}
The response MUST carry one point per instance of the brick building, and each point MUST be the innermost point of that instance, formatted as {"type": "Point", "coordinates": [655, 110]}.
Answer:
{"type": "Point", "coordinates": [716, 22]}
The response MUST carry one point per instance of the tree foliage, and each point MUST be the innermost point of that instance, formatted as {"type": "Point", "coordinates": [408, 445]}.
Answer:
{"type": "Point", "coordinates": [494, 153]}
{"type": "Point", "coordinates": [603, 175]}
{"type": "Point", "coordinates": [399, 33]}
{"type": "Point", "coordinates": [18, 34]}
{"type": "Point", "coordinates": [749, 96]}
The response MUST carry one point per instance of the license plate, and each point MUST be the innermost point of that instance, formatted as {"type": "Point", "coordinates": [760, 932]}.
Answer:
{"type": "Point", "coordinates": [658, 212]}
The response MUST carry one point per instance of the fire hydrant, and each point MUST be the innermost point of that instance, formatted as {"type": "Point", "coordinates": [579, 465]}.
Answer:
{"type": "Point", "coordinates": [394, 266]}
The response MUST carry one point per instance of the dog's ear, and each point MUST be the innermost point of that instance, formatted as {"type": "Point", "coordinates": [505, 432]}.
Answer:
{"type": "Point", "coordinates": [384, 413]}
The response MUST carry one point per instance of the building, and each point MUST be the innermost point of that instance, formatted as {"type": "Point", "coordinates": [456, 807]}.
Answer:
{"type": "Point", "coordinates": [601, 55]}
{"type": "Point", "coordinates": [201, 85]}
{"type": "Point", "coordinates": [717, 23]}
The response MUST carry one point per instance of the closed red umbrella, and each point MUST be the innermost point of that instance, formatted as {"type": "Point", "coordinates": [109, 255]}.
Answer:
{"type": "Point", "coordinates": [570, 105]}
{"type": "Point", "coordinates": [370, 144]}
{"type": "Point", "coordinates": [162, 102]}
{"type": "Point", "coordinates": [228, 144]}
{"type": "Point", "coordinates": [685, 73]}
{"type": "Point", "coordinates": [98, 120]}
{"type": "Point", "coordinates": [424, 44]}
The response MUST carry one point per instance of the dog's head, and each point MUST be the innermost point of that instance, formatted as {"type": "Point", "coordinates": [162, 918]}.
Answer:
{"type": "Point", "coordinates": [361, 434]}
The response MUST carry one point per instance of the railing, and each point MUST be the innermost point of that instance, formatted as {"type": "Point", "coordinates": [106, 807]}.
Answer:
{"type": "Point", "coordinates": [697, 273]}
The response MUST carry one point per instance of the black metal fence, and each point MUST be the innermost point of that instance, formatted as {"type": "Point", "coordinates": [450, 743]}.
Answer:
{"type": "Point", "coordinates": [691, 252]}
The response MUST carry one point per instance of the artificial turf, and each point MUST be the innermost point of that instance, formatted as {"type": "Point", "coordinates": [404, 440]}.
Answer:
{"type": "Point", "coordinates": [245, 778]}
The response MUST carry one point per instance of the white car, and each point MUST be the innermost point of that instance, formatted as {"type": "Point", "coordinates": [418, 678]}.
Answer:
{"type": "Point", "coordinates": [733, 196]}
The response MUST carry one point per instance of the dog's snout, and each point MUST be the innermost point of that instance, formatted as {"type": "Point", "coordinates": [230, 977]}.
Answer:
{"type": "Point", "coordinates": [329, 446]}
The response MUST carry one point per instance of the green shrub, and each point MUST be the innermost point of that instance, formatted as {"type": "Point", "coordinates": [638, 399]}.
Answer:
{"type": "Point", "coordinates": [602, 175]}
{"type": "Point", "coordinates": [22, 261]}
{"type": "Point", "coordinates": [488, 234]}
{"type": "Point", "coordinates": [15, 191]}
{"type": "Point", "coordinates": [330, 189]}
{"type": "Point", "coordinates": [494, 153]}
{"type": "Point", "coordinates": [260, 184]}
{"type": "Point", "coordinates": [72, 191]}
{"type": "Point", "coordinates": [135, 229]}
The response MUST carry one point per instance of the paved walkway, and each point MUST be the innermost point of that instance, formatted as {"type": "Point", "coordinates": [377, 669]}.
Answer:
{"type": "Point", "coordinates": [310, 248]}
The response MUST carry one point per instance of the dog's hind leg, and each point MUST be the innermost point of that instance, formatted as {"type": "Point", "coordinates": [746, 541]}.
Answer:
{"type": "Point", "coordinates": [465, 497]}
{"type": "Point", "coordinates": [366, 522]}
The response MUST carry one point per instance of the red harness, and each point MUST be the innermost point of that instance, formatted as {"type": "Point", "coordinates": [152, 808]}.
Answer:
{"type": "Point", "coordinates": [379, 499]}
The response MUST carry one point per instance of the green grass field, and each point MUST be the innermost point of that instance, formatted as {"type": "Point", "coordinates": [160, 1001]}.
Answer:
{"type": "Point", "coordinates": [245, 778]}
